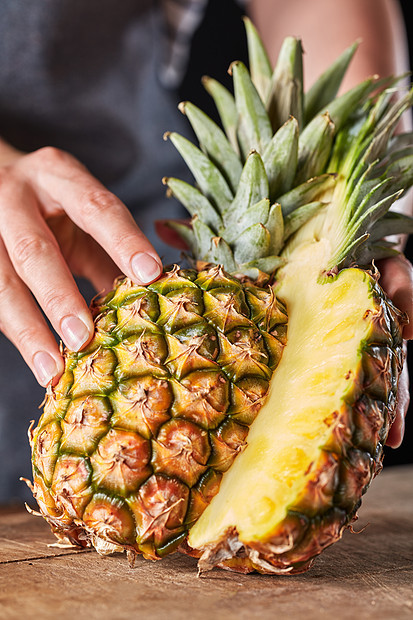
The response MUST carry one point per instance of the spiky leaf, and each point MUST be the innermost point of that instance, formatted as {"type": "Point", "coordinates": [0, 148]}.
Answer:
{"type": "Point", "coordinates": [227, 110]}
{"type": "Point", "coordinates": [260, 66]}
{"type": "Point", "coordinates": [286, 94]}
{"type": "Point", "coordinates": [254, 127]}
{"type": "Point", "coordinates": [280, 158]}
{"type": "Point", "coordinates": [314, 150]}
{"type": "Point", "coordinates": [214, 143]}
{"type": "Point", "coordinates": [207, 175]}
{"type": "Point", "coordinates": [253, 187]}
{"type": "Point", "coordinates": [252, 244]}
{"type": "Point", "coordinates": [297, 218]}
{"type": "Point", "coordinates": [195, 202]}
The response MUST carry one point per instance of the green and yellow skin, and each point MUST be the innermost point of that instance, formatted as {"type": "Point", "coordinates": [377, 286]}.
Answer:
{"type": "Point", "coordinates": [135, 437]}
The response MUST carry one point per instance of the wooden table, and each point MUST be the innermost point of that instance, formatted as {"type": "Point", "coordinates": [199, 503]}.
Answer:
{"type": "Point", "coordinates": [364, 576]}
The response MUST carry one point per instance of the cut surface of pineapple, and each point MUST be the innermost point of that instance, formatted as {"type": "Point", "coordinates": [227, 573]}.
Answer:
{"type": "Point", "coordinates": [329, 319]}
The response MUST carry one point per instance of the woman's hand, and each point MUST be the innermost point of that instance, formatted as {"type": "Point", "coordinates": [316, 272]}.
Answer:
{"type": "Point", "coordinates": [57, 219]}
{"type": "Point", "coordinates": [397, 280]}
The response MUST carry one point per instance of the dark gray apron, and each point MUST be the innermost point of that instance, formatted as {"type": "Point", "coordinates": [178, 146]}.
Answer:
{"type": "Point", "coordinates": [81, 75]}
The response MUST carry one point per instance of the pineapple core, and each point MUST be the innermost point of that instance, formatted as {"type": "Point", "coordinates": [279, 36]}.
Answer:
{"type": "Point", "coordinates": [327, 325]}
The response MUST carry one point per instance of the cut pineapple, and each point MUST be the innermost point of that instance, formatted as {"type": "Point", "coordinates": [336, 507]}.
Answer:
{"type": "Point", "coordinates": [292, 461]}
{"type": "Point", "coordinates": [146, 436]}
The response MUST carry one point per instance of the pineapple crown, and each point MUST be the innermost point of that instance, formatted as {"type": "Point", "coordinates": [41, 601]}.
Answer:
{"type": "Point", "coordinates": [286, 158]}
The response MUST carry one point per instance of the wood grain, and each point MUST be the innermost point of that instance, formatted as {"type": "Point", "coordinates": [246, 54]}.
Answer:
{"type": "Point", "coordinates": [369, 575]}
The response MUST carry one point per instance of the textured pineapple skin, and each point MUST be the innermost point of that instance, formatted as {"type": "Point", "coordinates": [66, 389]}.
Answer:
{"type": "Point", "coordinates": [345, 468]}
{"type": "Point", "coordinates": [106, 471]}
{"type": "Point", "coordinates": [135, 437]}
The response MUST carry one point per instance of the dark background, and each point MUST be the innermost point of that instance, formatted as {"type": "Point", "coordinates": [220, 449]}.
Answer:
{"type": "Point", "coordinates": [219, 40]}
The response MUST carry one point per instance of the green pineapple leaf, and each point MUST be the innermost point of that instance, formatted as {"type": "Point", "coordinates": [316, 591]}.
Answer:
{"type": "Point", "coordinates": [299, 217]}
{"type": "Point", "coordinates": [213, 142]}
{"type": "Point", "coordinates": [252, 188]}
{"type": "Point", "coordinates": [285, 98]}
{"type": "Point", "coordinates": [260, 66]}
{"type": "Point", "coordinates": [203, 236]}
{"type": "Point", "coordinates": [280, 158]}
{"type": "Point", "coordinates": [275, 226]}
{"type": "Point", "coordinates": [254, 127]}
{"type": "Point", "coordinates": [347, 254]}
{"type": "Point", "coordinates": [221, 254]}
{"type": "Point", "coordinates": [208, 177]}
{"type": "Point", "coordinates": [375, 251]}
{"type": "Point", "coordinates": [357, 231]}
{"type": "Point", "coordinates": [392, 223]}
{"type": "Point", "coordinates": [194, 202]}
{"type": "Point", "coordinates": [225, 104]}
{"type": "Point", "coordinates": [314, 148]}
{"type": "Point", "coordinates": [304, 193]}
{"type": "Point", "coordinates": [252, 243]}
{"type": "Point", "coordinates": [341, 108]}
{"type": "Point", "coordinates": [256, 213]}
{"type": "Point", "coordinates": [268, 265]}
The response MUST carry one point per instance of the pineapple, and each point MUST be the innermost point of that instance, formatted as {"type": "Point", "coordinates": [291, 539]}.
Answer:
{"type": "Point", "coordinates": [145, 443]}
{"type": "Point", "coordinates": [134, 439]}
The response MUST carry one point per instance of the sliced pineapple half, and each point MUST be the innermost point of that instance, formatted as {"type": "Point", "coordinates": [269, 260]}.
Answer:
{"type": "Point", "coordinates": [310, 453]}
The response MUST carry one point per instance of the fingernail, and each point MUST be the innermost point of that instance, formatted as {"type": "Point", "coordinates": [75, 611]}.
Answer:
{"type": "Point", "coordinates": [74, 331]}
{"type": "Point", "coordinates": [145, 268]}
{"type": "Point", "coordinates": [45, 367]}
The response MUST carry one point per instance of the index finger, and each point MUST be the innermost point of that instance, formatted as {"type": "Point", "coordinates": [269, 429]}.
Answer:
{"type": "Point", "coordinates": [61, 181]}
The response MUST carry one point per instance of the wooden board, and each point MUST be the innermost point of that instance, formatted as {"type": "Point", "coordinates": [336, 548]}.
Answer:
{"type": "Point", "coordinates": [369, 575]}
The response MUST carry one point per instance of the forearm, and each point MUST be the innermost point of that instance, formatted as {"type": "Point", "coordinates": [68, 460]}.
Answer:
{"type": "Point", "coordinates": [327, 28]}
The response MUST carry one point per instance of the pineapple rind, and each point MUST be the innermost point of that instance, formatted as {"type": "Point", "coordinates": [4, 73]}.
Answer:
{"type": "Point", "coordinates": [135, 437]}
